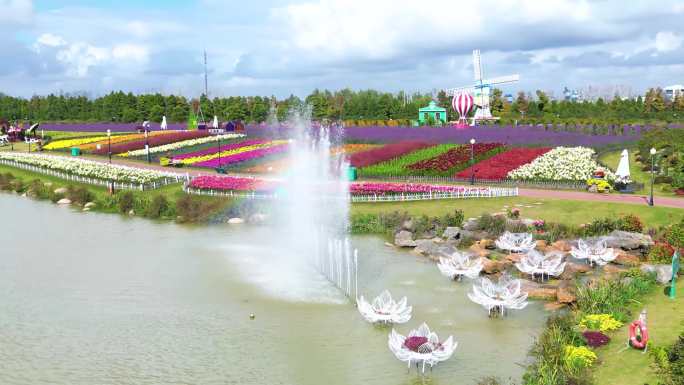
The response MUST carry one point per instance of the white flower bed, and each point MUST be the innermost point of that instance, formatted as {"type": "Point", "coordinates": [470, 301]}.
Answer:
{"type": "Point", "coordinates": [183, 143]}
{"type": "Point", "coordinates": [88, 168]}
{"type": "Point", "coordinates": [561, 163]}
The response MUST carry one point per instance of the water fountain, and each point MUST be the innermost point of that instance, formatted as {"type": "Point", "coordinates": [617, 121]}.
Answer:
{"type": "Point", "coordinates": [497, 297]}
{"type": "Point", "coordinates": [594, 252]}
{"type": "Point", "coordinates": [538, 263]}
{"type": "Point", "coordinates": [516, 242]}
{"type": "Point", "coordinates": [384, 309]}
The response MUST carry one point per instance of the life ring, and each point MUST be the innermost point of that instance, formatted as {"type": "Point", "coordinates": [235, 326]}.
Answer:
{"type": "Point", "coordinates": [643, 332]}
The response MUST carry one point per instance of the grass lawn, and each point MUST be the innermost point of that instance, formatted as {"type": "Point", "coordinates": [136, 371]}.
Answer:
{"type": "Point", "coordinates": [665, 322]}
{"type": "Point", "coordinates": [551, 210]}
{"type": "Point", "coordinates": [612, 158]}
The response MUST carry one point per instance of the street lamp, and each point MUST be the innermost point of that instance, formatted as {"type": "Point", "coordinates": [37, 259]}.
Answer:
{"type": "Point", "coordinates": [147, 147]}
{"type": "Point", "coordinates": [472, 161]}
{"type": "Point", "coordinates": [109, 144]}
{"type": "Point", "coordinates": [218, 141]}
{"type": "Point", "coordinates": [653, 154]}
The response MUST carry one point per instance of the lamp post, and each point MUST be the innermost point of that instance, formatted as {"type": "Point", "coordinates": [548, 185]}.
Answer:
{"type": "Point", "coordinates": [218, 141]}
{"type": "Point", "coordinates": [109, 151]}
{"type": "Point", "coordinates": [147, 147]}
{"type": "Point", "coordinates": [653, 154]}
{"type": "Point", "coordinates": [472, 161]}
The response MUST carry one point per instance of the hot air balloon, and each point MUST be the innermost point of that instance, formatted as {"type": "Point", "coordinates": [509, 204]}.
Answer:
{"type": "Point", "coordinates": [462, 103]}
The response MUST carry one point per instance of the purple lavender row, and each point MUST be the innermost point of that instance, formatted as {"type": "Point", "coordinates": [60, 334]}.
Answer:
{"type": "Point", "coordinates": [224, 147]}
{"type": "Point", "coordinates": [103, 127]}
{"type": "Point", "coordinates": [243, 156]}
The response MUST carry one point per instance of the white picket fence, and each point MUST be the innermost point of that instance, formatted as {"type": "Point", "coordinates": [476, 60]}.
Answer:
{"type": "Point", "coordinates": [94, 181]}
{"type": "Point", "coordinates": [465, 193]}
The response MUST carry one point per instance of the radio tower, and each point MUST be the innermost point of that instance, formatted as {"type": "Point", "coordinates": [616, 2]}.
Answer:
{"type": "Point", "coordinates": [206, 85]}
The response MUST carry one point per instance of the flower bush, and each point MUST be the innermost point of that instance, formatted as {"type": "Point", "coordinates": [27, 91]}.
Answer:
{"type": "Point", "coordinates": [577, 357]}
{"type": "Point", "coordinates": [386, 152]}
{"type": "Point", "coordinates": [595, 339]}
{"type": "Point", "coordinates": [455, 159]}
{"type": "Point", "coordinates": [600, 322]}
{"type": "Point", "coordinates": [182, 144]}
{"type": "Point", "coordinates": [602, 185]}
{"type": "Point", "coordinates": [87, 168]}
{"type": "Point", "coordinates": [498, 166]}
{"type": "Point", "coordinates": [562, 163]}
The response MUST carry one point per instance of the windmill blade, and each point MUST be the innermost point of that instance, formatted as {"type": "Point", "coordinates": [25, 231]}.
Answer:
{"type": "Point", "coordinates": [477, 65]}
{"type": "Point", "coordinates": [458, 90]}
{"type": "Point", "coordinates": [502, 79]}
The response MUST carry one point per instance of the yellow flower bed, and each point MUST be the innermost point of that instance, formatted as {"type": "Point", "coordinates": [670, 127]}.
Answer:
{"type": "Point", "coordinates": [579, 357]}
{"type": "Point", "coordinates": [120, 139]}
{"type": "Point", "coordinates": [203, 158]}
{"type": "Point", "coordinates": [601, 322]}
{"type": "Point", "coordinates": [68, 143]}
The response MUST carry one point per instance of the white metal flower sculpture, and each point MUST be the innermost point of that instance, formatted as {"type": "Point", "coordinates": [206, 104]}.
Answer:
{"type": "Point", "coordinates": [459, 264]}
{"type": "Point", "coordinates": [593, 252]}
{"type": "Point", "coordinates": [537, 263]}
{"type": "Point", "coordinates": [421, 346]}
{"type": "Point", "coordinates": [516, 242]}
{"type": "Point", "coordinates": [384, 309]}
{"type": "Point", "coordinates": [498, 297]}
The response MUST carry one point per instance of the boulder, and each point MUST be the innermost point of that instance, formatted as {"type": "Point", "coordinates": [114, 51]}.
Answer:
{"type": "Point", "coordinates": [492, 267]}
{"type": "Point", "coordinates": [536, 290]}
{"type": "Point", "coordinates": [561, 245]}
{"type": "Point", "coordinates": [476, 235]}
{"type": "Point", "coordinates": [86, 209]}
{"type": "Point", "coordinates": [572, 269]}
{"type": "Point", "coordinates": [479, 251]}
{"type": "Point", "coordinates": [404, 239]}
{"type": "Point", "coordinates": [541, 244]}
{"type": "Point", "coordinates": [89, 205]}
{"type": "Point", "coordinates": [663, 272]}
{"type": "Point", "coordinates": [131, 213]}
{"type": "Point", "coordinates": [426, 247]}
{"type": "Point", "coordinates": [452, 233]}
{"type": "Point", "coordinates": [61, 191]}
{"type": "Point", "coordinates": [566, 292]}
{"type": "Point", "coordinates": [627, 240]}
{"type": "Point", "coordinates": [64, 201]}
{"type": "Point", "coordinates": [471, 224]}
{"type": "Point", "coordinates": [486, 244]}
{"type": "Point", "coordinates": [514, 257]}
{"type": "Point", "coordinates": [626, 259]}
{"type": "Point", "coordinates": [408, 225]}
{"type": "Point", "coordinates": [430, 234]}
{"type": "Point", "coordinates": [389, 244]}
{"type": "Point", "coordinates": [236, 221]}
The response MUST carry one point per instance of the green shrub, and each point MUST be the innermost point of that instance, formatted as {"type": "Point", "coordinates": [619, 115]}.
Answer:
{"type": "Point", "coordinates": [158, 207]}
{"type": "Point", "coordinates": [454, 219]}
{"type": "Point", "coordinates": [191, 208]}
{"type": "Point", "coordinates": [125, 201]}
{"type": "Point", "coordinates": [660, 253]}
{"type": "Point", "coordinates": [614, 297]}
{"type": "Point", "coordinates": [17, 185]}
{"type": "Point", "coordinates": [674, 235]}
{"type": "Point", "coordinates": [37, 189]}
{"type": "Point", "coordinates": [669, 362]}
{"type": "Point", "coordinates": [79, 195]}
{"type": "Point", "coordinates": [6, 181]}
{"type": "Point", "coordinates": [600, 226]}
{"type": "Point", "coordinates": [631, 223]}
{"type": "Point", "coordinates": [495, 225]}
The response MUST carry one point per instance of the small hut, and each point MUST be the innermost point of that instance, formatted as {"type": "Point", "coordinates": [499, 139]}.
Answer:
{"type": "Point", "coordinates": [432, 113]}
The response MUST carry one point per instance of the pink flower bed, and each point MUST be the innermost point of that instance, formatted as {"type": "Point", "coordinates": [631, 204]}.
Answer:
{"type": "Point", "coordinates": [209, 182]}
{"type": "Point", "coordinates": [224, 147]}
{"type": "Point", "coordinates": [242, 157]}
{"type": "Point", "coordinates": [386, 152]}
{"type": "Point", "coordinates": [363, 188]}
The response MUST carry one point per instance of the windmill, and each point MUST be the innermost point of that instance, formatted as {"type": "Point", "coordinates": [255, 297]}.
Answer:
{"type": "Point", "coordinates": [481, 89]}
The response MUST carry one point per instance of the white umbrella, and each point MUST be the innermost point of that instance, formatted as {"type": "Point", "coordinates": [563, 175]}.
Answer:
{"type": "Point", "coordinates": [215, 124]}
{"type": "Point", "coordinates": [622, 172]}
{"type": "Point", "coordinates": [163, 123]}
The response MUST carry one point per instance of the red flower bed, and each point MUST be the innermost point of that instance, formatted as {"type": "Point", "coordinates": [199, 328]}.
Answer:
{"type": "Point", "coordinates": [211, 182]}
{"type": "Point", "coordinates": [153, 140]}
{"type": "Point", "coordinates": [454, 157]}
{"type": "Point", "coordinates": [386, 152]}
{"type": "Point", "coordinates": [498, 166]}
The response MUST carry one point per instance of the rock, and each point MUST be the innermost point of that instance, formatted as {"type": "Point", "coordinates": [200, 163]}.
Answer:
{"type": "Point", "coordinates": [452, 233]}
{"type": "Point", "coordinates": [486, 244]}
{"type": "Point", "coordinates": [475, 235]}
{"type": "Point", "coordinates": [553, 306]}
{"type": "Point", "coordinates": [566, 292]}
{"type": "Point", "coordinates": [614, 269]}
{"type": "Point", "coordinates": [626, 259]}
{"type": "Point", "coordinates": [426, 247]}
{"type": "Point", "coordinates": [563, 246]}
{"type": "Point", "coordinates": [389, 244]}
{"type": "Point", "coordinates": [408, 225]}
{"type": "Point", "coordinates": [479, 251]}
{"type": "Point", "coordinates": [536, 290]}
{"type": "Point", "coordinates": [86, 209]}
{"type": "Point", "coordinates": [236, 221]}
{"type": "Point", "coordinates": [89, 205]}
{"type": "Point", "coordinates": [572, 269]}
{"type": "Point", "coordinates": [404, 239]}
{"type": "Point", "coordinates": [627, 240]}
{"type": "Point", "coordinates": [430, 234]}
{"type": "Point", "coordinates": [64, 201]}
{"type": "Point", "coordinates": [541, 244]}
{"type": "Point", "coordinates": [492, 267]}
{"type": "Point", "coordinates": [61, 191]}
{"type": "Point", "coordinates": [663, 272]}
{"type": "Point", "coordinates": [471, 224]}
{"type": "Point", "coordinates": [514, 257]}
{"type": "Point", "coordinates": [131, 213]}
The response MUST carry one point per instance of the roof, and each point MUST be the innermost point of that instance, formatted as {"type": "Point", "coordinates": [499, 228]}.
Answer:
{"type": "Point", "coordinates": [432, 107]}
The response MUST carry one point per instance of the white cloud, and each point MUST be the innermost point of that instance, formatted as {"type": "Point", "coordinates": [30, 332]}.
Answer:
{"type": "Point", "coordinates": [666, 41]}
{"type": "Point", "coordinates": [132, 52]}
{"type": "Point", "coordinates": [79, 57]}
{"type": "Point", "coordinates": [50, 40]}
{"type": "Point", "coordinates": [16, 11]}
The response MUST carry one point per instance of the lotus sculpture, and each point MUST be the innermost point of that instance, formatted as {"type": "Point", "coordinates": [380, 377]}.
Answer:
{"type": "Point", "coordinates": [421, 346]}
{"type": "Point", "coordinates": [460, 264]}
{"type": "Point", "coordinates": [516, 242]}
{"type": "Point", "coordinates": [593, 252]}
{"type": "Point", "coordinates": [536, 263]}
{"type": "Point", "coordinates": [384, 309]}
{"type": "Point", "coordinates": [497, 297]}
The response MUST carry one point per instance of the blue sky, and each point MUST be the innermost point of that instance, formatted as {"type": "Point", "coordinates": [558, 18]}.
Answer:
{"type": "Point", "coordinates": [279, 47]}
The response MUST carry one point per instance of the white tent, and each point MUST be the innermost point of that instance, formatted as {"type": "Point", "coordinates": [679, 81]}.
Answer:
{"type": "Point", "coordinates": [622, 172]}
{"type": "Point", "coordinates": [215, 124]}
{"type": "Point", "coordinates": [163, 123]}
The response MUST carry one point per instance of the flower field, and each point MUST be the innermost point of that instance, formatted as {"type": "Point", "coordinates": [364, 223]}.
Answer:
{"type": "Point", "coordinates": [365, 188]}
{"type": "Point", "coordinates": [181, 144]}
{"type": "Point", "coordinates": [498, 166]}
{"type": "Point", "coordinates": [103, 127]}
{"type": "Point", "coordinates": [399, 166]}
{"type": "Point", "coordinates": [116, 139]}
{"type": "Point", "coordinates": [87, 168]}
{"type": "Point", "coordinates": [75, 142]}
{"type": "Point", "coordinates": [562, 164]}
{"type": "Point", "coordinates": [227, 183]}
{"type": "Point", "coordinates": [384, 153]}
{"type": "Point", "coordinates": [161, 138]}
{"type": "Point", "coordinates": [233, 153]}
{"type": "Point", "coordinates": [454, 159]}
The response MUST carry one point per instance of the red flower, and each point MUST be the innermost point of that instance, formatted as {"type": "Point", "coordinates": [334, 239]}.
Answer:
{"type": "Point", "coordinates": [498, 166]}
{"type": "Point", "coordinates": [386, 152]}
{"type": "Point", "coordinates": [454, 157]}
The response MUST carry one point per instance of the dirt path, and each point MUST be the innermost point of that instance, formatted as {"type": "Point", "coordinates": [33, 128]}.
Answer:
{"type": "Point", "coordinates": [611, 198]}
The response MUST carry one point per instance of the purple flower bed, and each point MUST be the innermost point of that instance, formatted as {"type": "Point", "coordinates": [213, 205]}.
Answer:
{"type": "Point", "coordinates": [103, 127]}
{"type": "Point", "coordinates": [224, 147]}
{"type": "Point", "coordinates": [242, 156]}
{"type": "Point", "coordinates": [156, 140]}
{"type": "Point", "coordinates": [595, 339]}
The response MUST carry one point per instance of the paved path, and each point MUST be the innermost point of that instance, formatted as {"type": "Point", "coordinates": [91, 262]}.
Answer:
{"type": "Point", "coordinates": [612, 198]}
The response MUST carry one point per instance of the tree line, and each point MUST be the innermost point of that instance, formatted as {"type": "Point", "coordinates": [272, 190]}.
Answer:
{"type": "Point", "coordinates": [346, 104]}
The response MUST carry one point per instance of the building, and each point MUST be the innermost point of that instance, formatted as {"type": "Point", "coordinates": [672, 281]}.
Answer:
{"type": "Point", "coordinates": [571, 95]}
{"type": "Point", "coordinates": [438, 114]}
{"type": "Point", "coordinates": [672, 92]}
